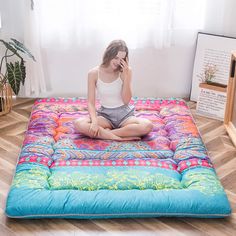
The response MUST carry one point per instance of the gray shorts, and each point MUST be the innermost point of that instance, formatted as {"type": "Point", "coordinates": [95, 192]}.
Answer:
{"type": "Point", "coordinates": [116, 116]}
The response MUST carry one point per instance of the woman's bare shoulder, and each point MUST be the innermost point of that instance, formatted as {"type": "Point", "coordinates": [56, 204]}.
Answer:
{"type": "Point", "coordinates": [93, 73]}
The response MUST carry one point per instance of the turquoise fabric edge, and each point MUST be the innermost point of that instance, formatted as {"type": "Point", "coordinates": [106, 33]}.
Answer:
{"type": "Point", "coordinates": [32, 203]}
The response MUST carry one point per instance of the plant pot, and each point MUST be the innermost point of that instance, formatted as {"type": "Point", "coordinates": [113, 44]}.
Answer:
{"type": "Point", "coordinates": [5, 99]}
{"type": "Point", "coordinates": [216, 84]}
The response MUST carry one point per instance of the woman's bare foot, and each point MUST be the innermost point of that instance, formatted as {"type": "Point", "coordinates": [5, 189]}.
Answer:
{"type": "Point", "coordinates": [130, 139]}
{"type": "Point", "coordinates": [107, 134]}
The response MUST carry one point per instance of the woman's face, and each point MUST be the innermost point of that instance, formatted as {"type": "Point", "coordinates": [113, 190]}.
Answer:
{"type": "Point", "coordinates": [116, 61]}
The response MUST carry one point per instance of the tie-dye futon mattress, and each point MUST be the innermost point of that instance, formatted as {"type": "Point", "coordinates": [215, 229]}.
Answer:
{"type": "Point", "coordinates": [63, 174]}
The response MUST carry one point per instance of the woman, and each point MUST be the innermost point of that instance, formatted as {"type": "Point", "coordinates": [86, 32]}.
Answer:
{"type": "Point", "coordinates": [115, 119]}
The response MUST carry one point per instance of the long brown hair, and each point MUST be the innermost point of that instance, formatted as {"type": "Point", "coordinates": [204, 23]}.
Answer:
{"type": "Point", "coordinates": [111, 51]}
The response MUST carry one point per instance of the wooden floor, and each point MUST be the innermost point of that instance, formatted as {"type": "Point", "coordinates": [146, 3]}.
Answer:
{"type": "Point", "coordinates": [222, 153]}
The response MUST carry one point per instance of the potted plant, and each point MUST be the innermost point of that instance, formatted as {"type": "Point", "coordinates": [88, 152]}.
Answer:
{"type": "Point", "coordinates": [12, 72]}
{"type": "Point", "coordinates": [208, 75]}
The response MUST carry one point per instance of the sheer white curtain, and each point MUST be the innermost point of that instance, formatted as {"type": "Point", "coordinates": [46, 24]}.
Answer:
{"type": "Point", "coordinates": [70, 35]}
{"type": "Point", "coordinates": [35, 82]}
{"type": "Point", "coordinates": [19, 22]}
{"type": "Point", "coordinates": [138, 22]}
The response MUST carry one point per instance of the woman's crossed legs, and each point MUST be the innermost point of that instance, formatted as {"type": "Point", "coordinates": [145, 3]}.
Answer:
{"type": "Point", "coordinates": [131, 129]}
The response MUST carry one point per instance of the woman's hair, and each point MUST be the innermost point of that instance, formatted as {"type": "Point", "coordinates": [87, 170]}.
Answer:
{"type": "Point", "coordinates": [111, 51]}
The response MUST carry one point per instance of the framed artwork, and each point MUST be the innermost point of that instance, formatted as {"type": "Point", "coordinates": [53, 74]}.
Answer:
{"type": "Point", "coordinates": [212, 52]}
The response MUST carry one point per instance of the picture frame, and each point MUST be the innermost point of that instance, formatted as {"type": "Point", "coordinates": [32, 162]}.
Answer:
{"type": "Point", "coordinates": [215, 50]}
{"type": "Point", "coordinates": [230, 110]}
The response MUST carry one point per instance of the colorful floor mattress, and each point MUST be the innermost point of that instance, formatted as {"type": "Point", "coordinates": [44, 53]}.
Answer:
{"type": "Point", "coordinates": [63, 174]}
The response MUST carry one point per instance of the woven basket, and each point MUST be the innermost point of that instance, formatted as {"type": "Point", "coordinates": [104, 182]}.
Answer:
{"type": "Point", "coordinates": [5, 99]}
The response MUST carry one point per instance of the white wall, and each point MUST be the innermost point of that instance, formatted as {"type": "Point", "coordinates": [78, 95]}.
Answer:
{"type": "Point", "coordinates": [156, 73]}
{"type": "Point", "coordinates": [159, 73]}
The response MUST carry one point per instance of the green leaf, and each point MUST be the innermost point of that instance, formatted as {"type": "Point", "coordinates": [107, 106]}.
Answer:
{"type": "Point", "coordinates": [14, 75]}
{"type": "Point", "coordinates": [21, 47]}
{"type": "Point", "coordinates": [11, 48]}
{"type": "Point", "coordinates": [23, 71]}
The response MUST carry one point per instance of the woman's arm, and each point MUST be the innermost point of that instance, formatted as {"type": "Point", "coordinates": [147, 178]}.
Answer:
{"type": "Point", "coordinates": [126, 76]}
{"type": "Point", "coordinates": [92, 96]}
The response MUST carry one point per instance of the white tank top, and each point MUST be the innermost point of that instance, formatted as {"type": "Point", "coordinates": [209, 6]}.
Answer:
{"type": "Point", "coordinates": [109, 94]}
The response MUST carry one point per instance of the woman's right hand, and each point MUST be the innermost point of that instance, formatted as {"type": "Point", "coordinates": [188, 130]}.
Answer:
{"type": "Point", "coordinates": [93, 129]}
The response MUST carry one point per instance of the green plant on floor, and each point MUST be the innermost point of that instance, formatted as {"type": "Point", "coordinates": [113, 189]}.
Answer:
{"type": "Point", "coordinates": [12, 64]}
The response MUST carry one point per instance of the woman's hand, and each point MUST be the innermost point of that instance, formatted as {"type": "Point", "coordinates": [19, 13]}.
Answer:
{"type": "Point", "coordinates": [125, 74]}
{"type": "Point", "coordinates": [93, 129]}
